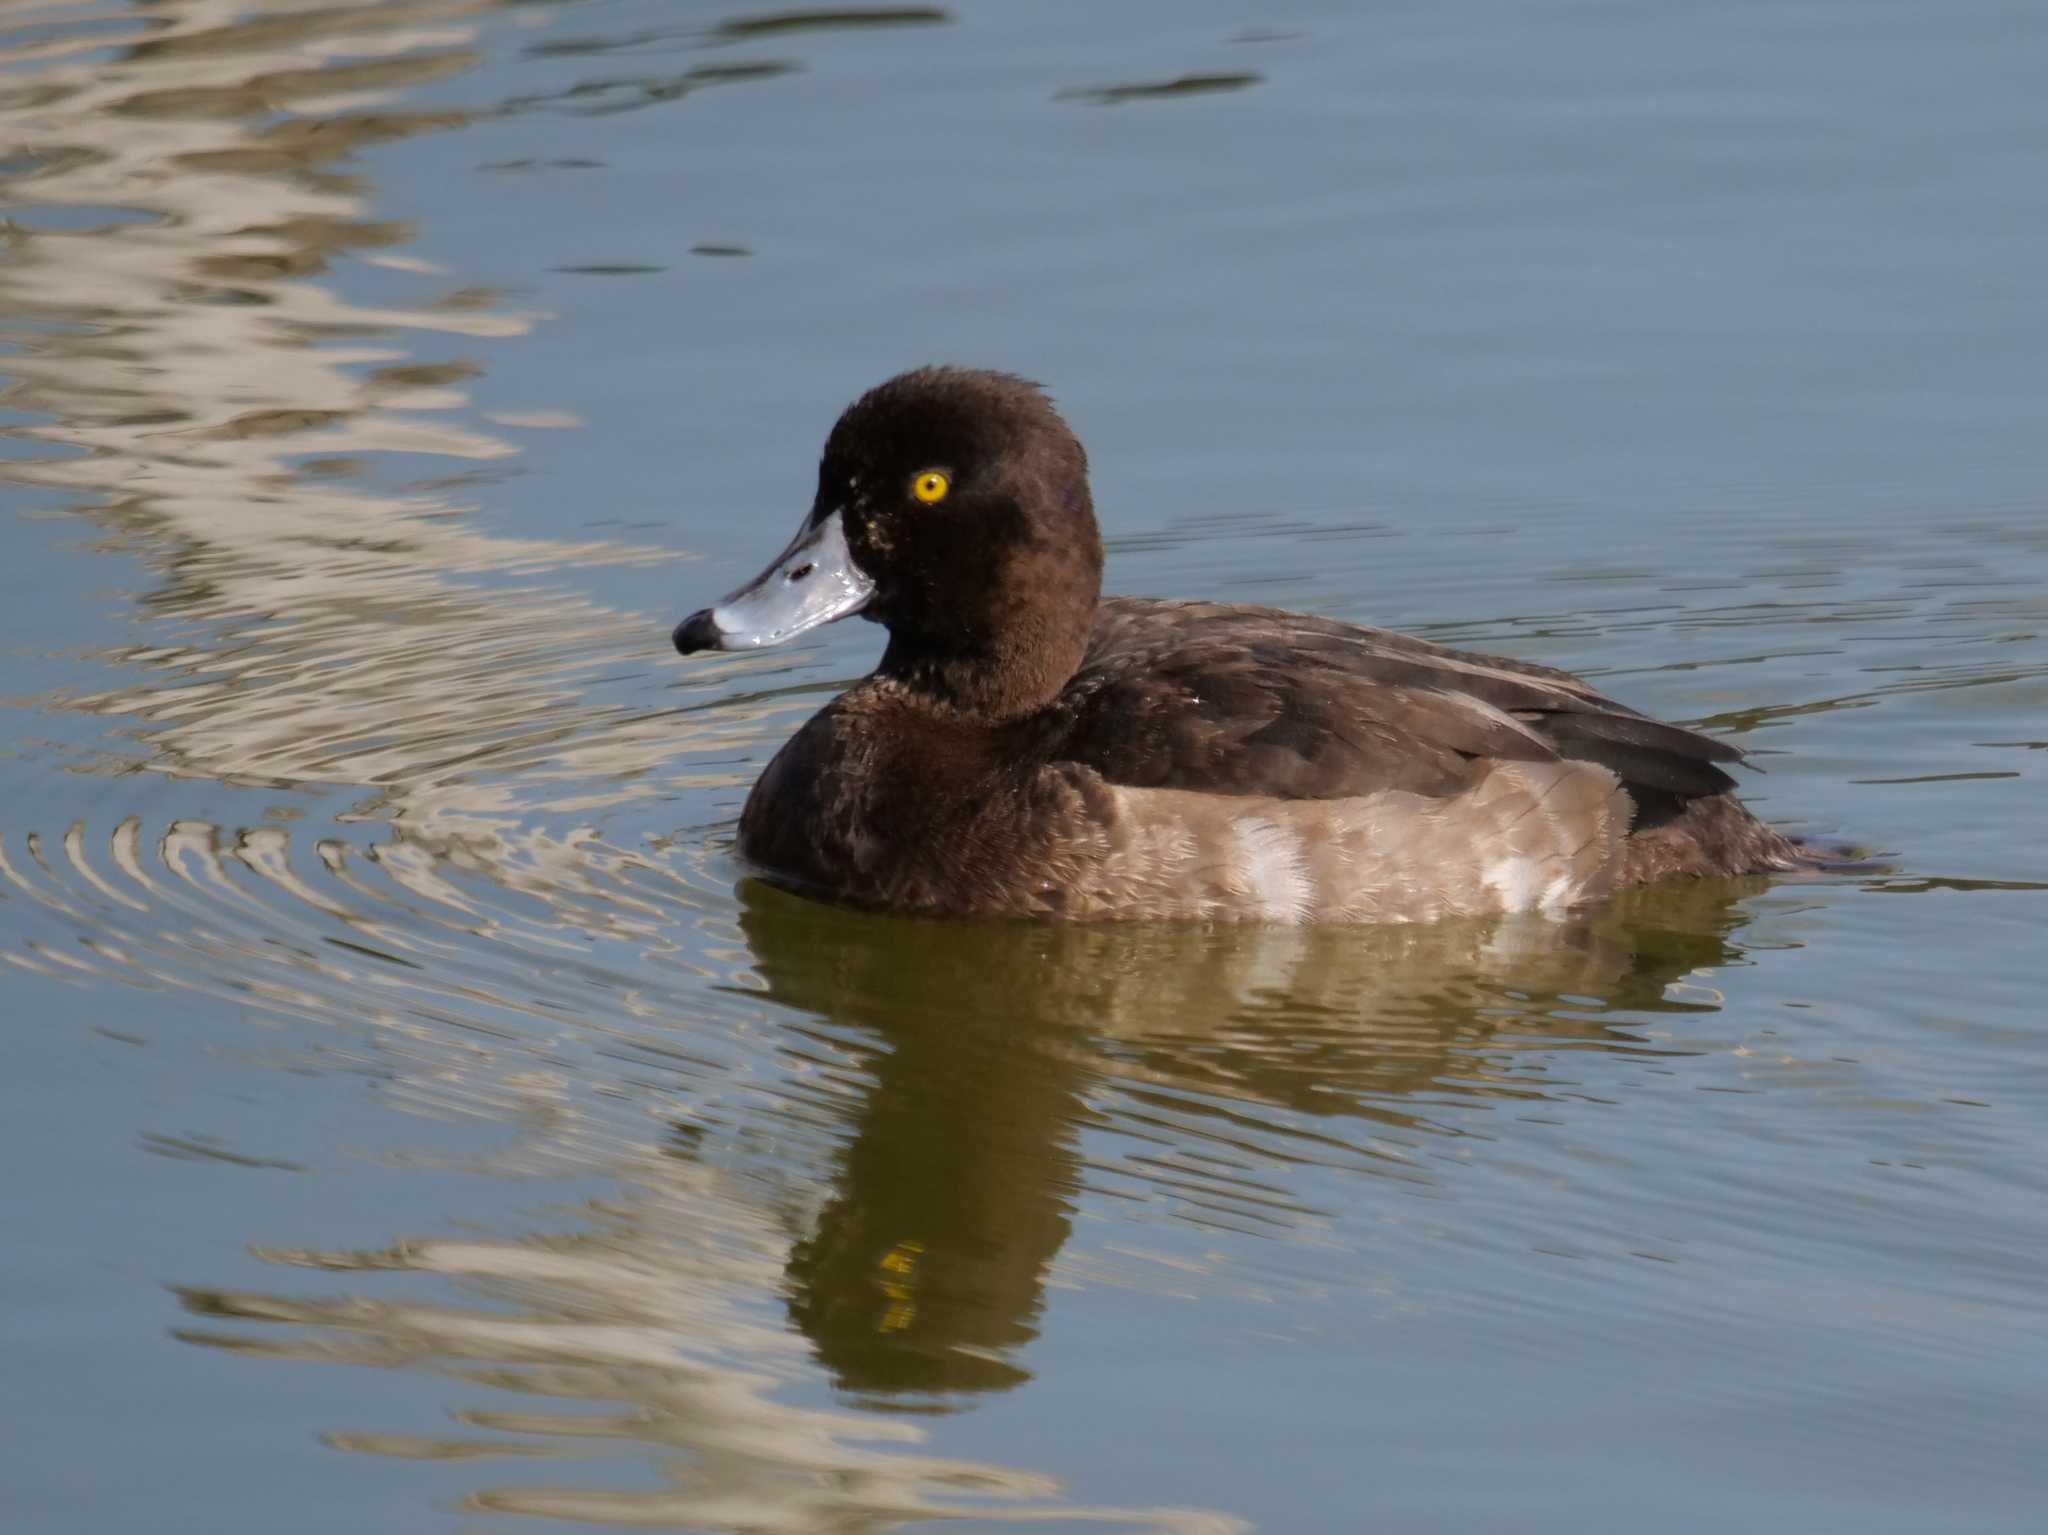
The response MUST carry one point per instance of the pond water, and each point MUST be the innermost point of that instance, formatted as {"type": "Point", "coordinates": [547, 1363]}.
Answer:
{"type": "Point", "coordinates": [414, 1123]}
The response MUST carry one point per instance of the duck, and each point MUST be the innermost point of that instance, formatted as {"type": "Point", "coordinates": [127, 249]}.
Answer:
{"type": "Point", "coordinates": [1030, 748]}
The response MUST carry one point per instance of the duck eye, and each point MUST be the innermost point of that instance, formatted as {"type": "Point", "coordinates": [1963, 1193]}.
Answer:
{"type": "Point", "coordinates": [930, 486]}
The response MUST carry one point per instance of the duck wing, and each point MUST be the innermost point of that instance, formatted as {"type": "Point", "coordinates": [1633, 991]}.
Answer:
{"type": "Point", "coordinates": [1230, 699]}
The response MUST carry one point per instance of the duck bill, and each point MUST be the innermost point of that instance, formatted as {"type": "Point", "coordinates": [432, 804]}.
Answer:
{"type": "Point", "coordinates": [812, 582]}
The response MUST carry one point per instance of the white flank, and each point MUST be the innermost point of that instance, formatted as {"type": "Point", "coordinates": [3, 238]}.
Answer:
{"type": "Point", "coordinates": [1519, 883]}
{"type": "Point", "coordinates": [1271, 863]}
{"type": "Point", "coordinates": [1557, 895]}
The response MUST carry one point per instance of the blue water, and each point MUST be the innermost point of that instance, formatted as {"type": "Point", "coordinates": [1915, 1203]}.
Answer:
{"type": "Point", "coordinates": [384, 381]}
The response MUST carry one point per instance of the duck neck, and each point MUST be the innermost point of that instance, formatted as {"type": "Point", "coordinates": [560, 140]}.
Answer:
{"type": "Point", "coordinates": [1019, 650]}
{"type": "Point", "coordinates": [998, 683]}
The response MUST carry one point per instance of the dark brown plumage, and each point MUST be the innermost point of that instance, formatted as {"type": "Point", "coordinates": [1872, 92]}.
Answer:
{"type": "Point", "coordinates": [1028, 747]}
{"type": "Point", "coordinates": [1238, 700]}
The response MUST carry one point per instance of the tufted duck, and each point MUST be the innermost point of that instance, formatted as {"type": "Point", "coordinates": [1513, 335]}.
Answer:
{"type": "Point", "coordinates": [1030, 747]}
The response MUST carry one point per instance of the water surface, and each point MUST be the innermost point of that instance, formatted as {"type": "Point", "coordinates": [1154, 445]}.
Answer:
{"type": "Point", "coordinates": [382, 381]}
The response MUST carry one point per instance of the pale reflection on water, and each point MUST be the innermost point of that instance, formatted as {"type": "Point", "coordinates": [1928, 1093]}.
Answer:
{"type": "Point", "coordinates": [652, 1312]}
{"type": "Point", "coordinates": [308, 631]}
{"type": "Point", "coordinates": [320, 632]}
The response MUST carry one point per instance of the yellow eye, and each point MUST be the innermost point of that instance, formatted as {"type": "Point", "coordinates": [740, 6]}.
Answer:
{"type": "Point", "coordinates": [930, 486]}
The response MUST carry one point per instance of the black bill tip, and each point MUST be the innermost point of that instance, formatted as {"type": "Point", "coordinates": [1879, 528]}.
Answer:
{"type": "Point", "coordinates": [698, 632]}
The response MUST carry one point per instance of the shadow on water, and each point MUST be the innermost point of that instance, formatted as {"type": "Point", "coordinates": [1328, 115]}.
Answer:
{"type": "Point", "coordinates": [1217, 1057]}
{"type": "Point", "coordinates": [955, 1090]}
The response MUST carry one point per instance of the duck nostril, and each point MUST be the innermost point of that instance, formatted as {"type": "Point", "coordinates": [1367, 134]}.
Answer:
{"type": "Point", "coordinates": [802, 571]}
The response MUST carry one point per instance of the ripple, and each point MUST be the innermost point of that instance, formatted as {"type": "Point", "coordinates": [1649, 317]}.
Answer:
{"type": "Point", "coordinates": [1163, 90]}
{"type": "Point", "coordinates": [762, 1200]}
{"type": "Point", "coordinates": [612, 95]}
{"type": "Point", "coordinates": [650, 1313]}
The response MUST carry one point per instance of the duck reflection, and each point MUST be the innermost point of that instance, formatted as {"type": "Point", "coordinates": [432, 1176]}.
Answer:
{"type": "Point", "coordinates": [995, 1047]}
{"type": "Point", "coordinates": [978, 1079]}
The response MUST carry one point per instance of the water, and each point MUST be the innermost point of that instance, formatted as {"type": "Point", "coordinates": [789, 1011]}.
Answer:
{"type": "Point", "coordinates": [385, 380]}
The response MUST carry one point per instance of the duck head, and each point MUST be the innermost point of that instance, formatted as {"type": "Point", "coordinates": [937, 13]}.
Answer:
{"type": "Point", "coordinates": [953, 509]}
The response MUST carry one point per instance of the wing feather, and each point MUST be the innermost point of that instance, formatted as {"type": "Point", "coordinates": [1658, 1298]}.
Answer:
{"type": "Point", "coordinates": [1247, 700]}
